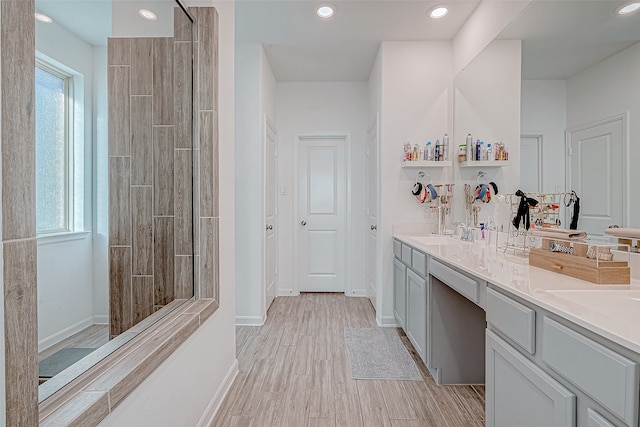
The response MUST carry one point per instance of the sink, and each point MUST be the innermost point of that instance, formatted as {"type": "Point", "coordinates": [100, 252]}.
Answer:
{"type": "Point", "coordinates": [433, 240]}
{"type": "Point", "coordinates": [614, 303]}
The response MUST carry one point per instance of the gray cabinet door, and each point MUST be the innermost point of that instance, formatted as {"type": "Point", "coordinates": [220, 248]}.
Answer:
{"type": "Point", "coordinates": [520, 394]}
{"type": "Point", "coordinates": [399, 292]}
{"type": "Point", "coordinates": [416, 320]}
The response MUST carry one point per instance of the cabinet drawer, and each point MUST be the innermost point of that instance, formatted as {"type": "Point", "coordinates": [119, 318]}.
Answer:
{"type": "Point", "coordinates": [513, 319]}
{"type": "Point", "coordinates": [397, 249]}
{"type": "Point", "coordinates": [464, 285]}
{"type": "Point", "coordinates": [606, 376]}
{"type": "Point", "coordinates": [594, 419]}
{"type": "Point", "coordinates": [419, 263]}
{"type": "Point", "coordinates": [406, 254]}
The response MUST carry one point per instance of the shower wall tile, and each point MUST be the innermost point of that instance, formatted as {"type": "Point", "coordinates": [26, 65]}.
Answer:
{"type": "Point", "coordinates": [182, 26]}
{"type": "Point", "coordinates": [121, 317]}
{"type": "Point", "coordinates": [196, 95]}
{"type": "Point", "coordinates": [208, 164]}
{"type": "Point", "coordinates": [17, 125]}
{"type": "Point", "coordinates": [182, 90]}
{"type": "Point", "coordinates": [163, 158]}
{"type": "Point", "coordinates": [142, 297]}
{"type": "Point", "coordinates": [119, 125]}
{"type": "Point", "coordinates": [119, 51]}
{"type": "Point", "coordinates": [142, 225]}
{"type": "Point", "coordinates": [208, 58]}
{"type": "Point", "coordinates": [183, 286]}
{"type": "Point", "coordinates": [141, 141]}
{"type": "Point", "coordinates": [163, 81]}
{"type": "Point", "coordinates": [183, 200]}
{"type": "Point", "coordinates": [119, 201]}
{"type": "Point", "coordinates": [163, 262]}
{"type": "Point", "coordinates": [142, 66]}
{"type": "Point", "coordinates": [209, 264]}
{"type": "Point", "coordinates": [21, 326]}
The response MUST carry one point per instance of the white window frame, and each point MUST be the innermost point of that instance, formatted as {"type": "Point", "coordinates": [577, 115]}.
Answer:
{"type": "Point", "coordinates": [68, 149]}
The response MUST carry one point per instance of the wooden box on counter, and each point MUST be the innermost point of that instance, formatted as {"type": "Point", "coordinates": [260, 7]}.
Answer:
{"type": "Point", "coordinates": [579, 266]}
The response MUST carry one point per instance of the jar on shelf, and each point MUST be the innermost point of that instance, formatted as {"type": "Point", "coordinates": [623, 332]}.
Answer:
{"type": "Point", "coordinates": [462, 153]}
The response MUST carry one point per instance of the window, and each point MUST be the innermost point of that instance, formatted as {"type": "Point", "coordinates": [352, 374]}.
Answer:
{"type": "Point", "coordinates": [54, 148]}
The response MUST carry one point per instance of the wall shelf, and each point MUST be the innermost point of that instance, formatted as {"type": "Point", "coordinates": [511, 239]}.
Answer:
{"type": "Point", "coordinates": [426, 164]}
{"type": "Point", "coordinates": [485, 164]}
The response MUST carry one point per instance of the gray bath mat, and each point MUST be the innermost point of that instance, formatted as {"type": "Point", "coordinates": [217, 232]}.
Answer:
{"type": "Point", "coordinates": [378, 353]}
{"type": "Point", "coordinates": [61, 360]}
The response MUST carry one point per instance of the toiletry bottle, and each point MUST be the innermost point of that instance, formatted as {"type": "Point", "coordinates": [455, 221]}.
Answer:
{"type": "Point", "coordinates": [414, 154]}
{"type": "Point", "coordinates": [482, 230]}
{"type": "Point", "coordinates": [477, 153]}
{"type": "Point", "coordinates": [436, 155]}
{"type": "Point", "coordinates": [489, 153]}
{"type": "Point", "coordinates": [429, 151]}
{"type": "Point", "coordinates": [426, 152]}
{"type": "Point", "coordinates": [469, 143]}
{"type": "Point", "coordinates": [445, 147]}
{"type": "Point", "coordinates": [421, 154]}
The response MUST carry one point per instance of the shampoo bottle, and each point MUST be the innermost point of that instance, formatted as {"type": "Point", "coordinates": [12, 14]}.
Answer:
{"type": "Point", "coordinates": [445, 147]}
{"type": "Point", "coordinates": [437, 154]}
{"type": "Point", "coordinates": [469, 143]}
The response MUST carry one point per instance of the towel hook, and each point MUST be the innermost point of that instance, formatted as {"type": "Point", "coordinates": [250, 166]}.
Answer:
{"type": "Point", "coordinates": [421, 174]}
{"type": "Point", "coordinates": [481, 176]}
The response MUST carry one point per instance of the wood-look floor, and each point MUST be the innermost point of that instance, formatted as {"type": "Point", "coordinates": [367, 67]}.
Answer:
{"type": "Point", "coordinates": [92, 337]}
{"type": "Point", "coordinates": [294, 371]}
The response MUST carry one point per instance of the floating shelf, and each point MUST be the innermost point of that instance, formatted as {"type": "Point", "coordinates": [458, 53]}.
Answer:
{"type": "Point", "coordinates": [485, 164]}
{"type": "Point", "coordinates": [426, 164]}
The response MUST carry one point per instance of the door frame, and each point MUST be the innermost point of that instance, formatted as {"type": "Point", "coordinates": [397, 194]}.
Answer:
{"type": "Point", "coordinates": [297, 139]}
{"type": "Point", "coordinates": [268, 124]}
{"type": "Point", "coordinates": [626, 196]}
{"type": "Point", "coordinates": [539, 136]}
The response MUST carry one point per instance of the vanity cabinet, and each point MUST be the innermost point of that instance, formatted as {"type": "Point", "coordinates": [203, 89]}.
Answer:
{"type": "Point", "coordinates": [399, 292]}
{"type": "Point", "coordinates": [521, 394]}
{"type": "Point", "coordinates": [416, 321]}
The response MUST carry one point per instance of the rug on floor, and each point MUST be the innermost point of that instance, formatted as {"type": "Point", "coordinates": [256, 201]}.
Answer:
{"type": "Point", "coordinates": [378, 353]}
{"type": "Point", "coordinates": [61, 360]}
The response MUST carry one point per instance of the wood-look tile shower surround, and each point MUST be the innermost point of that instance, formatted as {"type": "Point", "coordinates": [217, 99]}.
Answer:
{"type": "Point", "coordinates": [19, 248]}
{"type": "Point", "coordinates": [150, 170]}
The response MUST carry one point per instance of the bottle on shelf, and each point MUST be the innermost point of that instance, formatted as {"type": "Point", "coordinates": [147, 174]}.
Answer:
{"type": "Point", "coordinates": [477, 154]}
{"type": "Point", "coordinates": [437, 153]}
{"type": "Point", "coordinates": [414, 153]}
{"type": "Point", "coordinates": [470, 150]}
{"type": "Point", "coordinates": [490, 155]}
{"type": "Point", "coordinates": [429, 151]}
{"type": "Point", "coordinates": [462, 153]}
{"type": "Point", "coordinates": [445, 147]}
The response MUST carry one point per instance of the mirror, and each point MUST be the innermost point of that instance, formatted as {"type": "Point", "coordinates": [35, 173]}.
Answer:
{"type": "Point", "coordinates": [114, 201]}
{"type": "Point", "coordinates": [579, 84]}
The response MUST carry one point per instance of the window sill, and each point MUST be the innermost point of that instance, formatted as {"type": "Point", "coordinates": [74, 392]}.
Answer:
{"type": "Point", "coordinates": [92, 396]}
{"type": "Point", "coordinates": [54, 238]}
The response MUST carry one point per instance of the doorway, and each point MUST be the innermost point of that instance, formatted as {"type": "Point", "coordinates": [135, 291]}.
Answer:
{"type": "Point", "coordinates": [531, 163]}
{"type": "Point", "coordinates": [596, 170]}
{"type": "Point", "coordinates": [321, 201]}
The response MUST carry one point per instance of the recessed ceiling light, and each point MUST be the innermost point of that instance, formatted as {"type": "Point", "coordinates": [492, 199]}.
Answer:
{"type": "Point", "coordinates": [147, 14]}
{"type": "Point", "coordinates": [439, 12]}
{"type": "Point", "coordinates": [326, 11]}
{"type": "Point", "coordinates": [43, 18]}
{"type": "Point", "coordinates": [629, 8]}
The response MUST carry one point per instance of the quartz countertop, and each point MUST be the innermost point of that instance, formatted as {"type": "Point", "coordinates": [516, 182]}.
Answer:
{"type": "Point", "coordinates": [612, 311]}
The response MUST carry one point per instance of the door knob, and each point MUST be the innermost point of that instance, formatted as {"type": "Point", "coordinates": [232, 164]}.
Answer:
{"type": "Point", "coordinates": [373, 227]}
{"type": "Point", "coordinates": [269, 227]}
{"type": "Point", "coordinates": [303, 222]}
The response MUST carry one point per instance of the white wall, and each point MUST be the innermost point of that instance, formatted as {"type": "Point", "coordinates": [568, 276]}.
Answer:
{"type": "Point", "coordinates": [321, 107]}
{"type": "Point", "coordinates": [197, 370]}
{"type": "Point", "coordinates": [255, 97]}
{"type": "Point", "coordinates": [416, 91]}
{"type": "Point", "coordinates": [604, 90]}
{"type": "Point", "coordinates": [65, 271]}
{"type": "Point", "coordinates": [543, 112]}
{"type": "Point", "coordinates": [487, 105]}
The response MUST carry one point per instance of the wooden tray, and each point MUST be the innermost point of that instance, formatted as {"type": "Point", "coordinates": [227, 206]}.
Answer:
{"type": "Point", "coordinates": [581, 267]}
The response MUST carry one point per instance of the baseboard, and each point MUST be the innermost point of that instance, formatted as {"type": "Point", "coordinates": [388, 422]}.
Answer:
{"type": "Point", "coordinates": [101, 319]}
{"type": "Point", "coordinates": [287, 293]}
{"type": "Point", "coordinates": [357, 293]}
{"type": "Point", "coordinates": [51, 340]}
{"type": "Point", "coordinates": [250, 320]}
{"type": "Point", "coordinates": [212, 408]}
{"type": "Point", "coordinates": [387, 322]}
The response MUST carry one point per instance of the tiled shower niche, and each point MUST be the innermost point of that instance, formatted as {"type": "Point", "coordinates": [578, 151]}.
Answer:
{"type": "Point", "coordinates": [153, 168]}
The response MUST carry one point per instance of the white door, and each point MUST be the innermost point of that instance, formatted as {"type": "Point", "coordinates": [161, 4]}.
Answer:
{"type": "Point", "coordinates": [321, 254]}
{"type": "Point", "coordinates": [531, 163]}
{"type": "Point", "coordinates": [597, 171]}
{"type": "Point", "coordinates": [372, 210]}
{"type": "Point", "coordinates": [270, 258]}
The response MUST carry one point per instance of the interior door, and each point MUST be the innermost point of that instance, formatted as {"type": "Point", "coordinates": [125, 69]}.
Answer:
{"type": "Point", "coordinates": [321, 214]}
{"type": "Point", "coordinates": [597, 171]}
{"type": "Point", "coordinates": [372, 211]}
{"type": "Point", "coordinates": [270, 257]}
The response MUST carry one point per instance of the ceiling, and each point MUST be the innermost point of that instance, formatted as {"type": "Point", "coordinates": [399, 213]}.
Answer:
{"type": "Point", "coordinates": [302, 47]}
{"type": "Point", "coordinates": [561, 38]}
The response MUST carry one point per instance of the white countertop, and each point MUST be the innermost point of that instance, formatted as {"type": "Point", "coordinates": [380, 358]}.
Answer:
{"type": "Point", "coordinates": [612, 311]}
